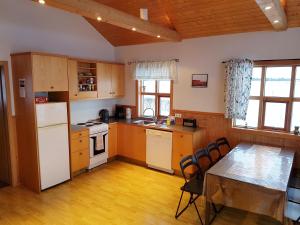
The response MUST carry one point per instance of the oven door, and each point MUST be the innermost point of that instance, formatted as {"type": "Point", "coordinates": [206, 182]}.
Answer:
{"type": "Point", "coordinates": [98, 143]}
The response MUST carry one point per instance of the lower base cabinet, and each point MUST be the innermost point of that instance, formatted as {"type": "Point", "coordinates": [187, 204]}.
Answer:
{"type": "Point", "coordinates": [132, 142]}
{"type": "Point", "coordinates": [80, 153]}
{"type": "Point", "coordinates": [185, 144]}
{"type": "Point", "coordinates": [112, 140]}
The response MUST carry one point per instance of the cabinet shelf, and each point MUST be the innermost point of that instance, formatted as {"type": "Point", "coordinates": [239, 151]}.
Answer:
{"type": "Point", "coordinates": [86, 68]}
{"type": "Point", "coordinates": [84, 76]}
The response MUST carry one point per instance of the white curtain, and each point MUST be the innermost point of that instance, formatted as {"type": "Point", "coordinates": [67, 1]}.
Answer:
{"type": "Point", "coordinates": [154, 70]}
{"type": "Point", "coordinates": [237, 88]}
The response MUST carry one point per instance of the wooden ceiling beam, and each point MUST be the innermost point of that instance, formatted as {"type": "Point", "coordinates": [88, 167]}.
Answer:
{"type": "Point", "coordinates": [274, 11]}
{"type": "Point", "coordinates": [92, 9]}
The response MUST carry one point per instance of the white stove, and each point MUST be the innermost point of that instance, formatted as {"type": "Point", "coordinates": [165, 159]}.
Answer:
{"type": "Point", "coordinates": [98, 142]}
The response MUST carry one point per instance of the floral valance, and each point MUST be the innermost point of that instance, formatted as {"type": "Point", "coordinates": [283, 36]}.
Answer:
{"type": "Point", "coordinates": [154, 70]}
{"type": "Point", "coordinates": [237, 87]}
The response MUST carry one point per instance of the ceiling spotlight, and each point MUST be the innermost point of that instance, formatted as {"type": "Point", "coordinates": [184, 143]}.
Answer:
{"type": "Point", "coordinates": [133, 29]}
{"type": "Point", "coordinates": [42, 2]}
{"type": "Point", "coordinates": [99, 18]}
{"type": "Point", "coordinates": [276, 21]}
{"type": "Point", "coordinates": [268, 7]}
{"type": "Point", "coordinates": [158, 36]}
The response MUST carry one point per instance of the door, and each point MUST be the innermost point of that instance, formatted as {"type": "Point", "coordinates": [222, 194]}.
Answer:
{"type": "Point", "coordinates": [117, 80]}
{"type": "Point", "coordinates": [112, 140]}
{"type": "Point", "coordinates": [182, 146]}
{"type": "Point", "coordinates": [4, 139]}
{"type": "Point", "coordinates": [50, 73]}
{"type": "Point", "coordinates": [104, 71]}
{"type": "Point", "coordinates": [53, 155]}
{"type": "Point", "coordinates": [73, 79]}
{"type": "Point", "coordinates": [51, 114]}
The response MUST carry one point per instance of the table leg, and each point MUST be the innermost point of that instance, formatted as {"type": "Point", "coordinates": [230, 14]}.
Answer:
{"type": "Point", "coordinates": [207, 212]}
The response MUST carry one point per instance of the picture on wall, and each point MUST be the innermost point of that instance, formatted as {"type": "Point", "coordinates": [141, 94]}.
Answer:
{"type": "Point", "coordinates": [199, 80]}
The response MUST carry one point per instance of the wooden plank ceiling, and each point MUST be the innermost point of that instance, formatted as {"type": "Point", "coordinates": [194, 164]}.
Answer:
{"type": "Point", "coordinates": [193, 18]}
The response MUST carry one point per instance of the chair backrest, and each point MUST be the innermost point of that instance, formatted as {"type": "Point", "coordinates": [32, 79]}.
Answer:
{"type": "Point", "coordinates": [203, 160]}
{"type": "Point", "coordinates": [188, 165]}
{"type": "Point", "coordinates": [223, 145]}
{"type": "Point", "coordinates": [213, 152]}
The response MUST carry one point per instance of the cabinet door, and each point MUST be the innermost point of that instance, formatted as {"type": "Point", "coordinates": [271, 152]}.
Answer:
{"type": "Point", "coordinates": [112, 140]}
{"type": "Point", "coordinates": [104, 71]}
{"type": "Point", "coordinates": [80, 160]}
{"type": "Point", "coordinates": [50, 73]}
{"type": "Point", "coordinates": [132, 142]}
{"type": "Point", "coordinates": [138, 143]}
{"type": "Point", "coordinates": [182, 146]}
{"type": "Point", "coordinates": [117, 80]}
{"type": "Point", "coordinates": [73, 79]}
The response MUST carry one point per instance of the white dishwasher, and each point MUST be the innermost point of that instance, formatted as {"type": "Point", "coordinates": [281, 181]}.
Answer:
{"type": "Point", "coordinates": [159, 150]}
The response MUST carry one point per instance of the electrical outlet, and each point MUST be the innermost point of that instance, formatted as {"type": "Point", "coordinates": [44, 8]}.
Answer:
{"type": "Point", "coordinates": [178, 115]}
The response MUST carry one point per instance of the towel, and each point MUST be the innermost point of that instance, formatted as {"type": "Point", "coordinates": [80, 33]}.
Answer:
{"type": "Point", "coordinates": [99, 142]}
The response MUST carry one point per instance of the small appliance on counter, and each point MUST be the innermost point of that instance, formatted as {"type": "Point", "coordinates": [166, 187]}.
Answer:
{"type": "Point", "coordinates": [128, 113]}
{"type": "Point", "coordinates": [120, 112]}
{"type": "Point", "coordinates": [104, 115]}
{"type": "Point", "coordinates": [189, 122]}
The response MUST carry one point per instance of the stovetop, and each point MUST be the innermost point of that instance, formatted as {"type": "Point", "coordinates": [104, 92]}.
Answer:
{"type": "Point", "coordinates": [90, 123]}
{"type": "Point", "coordinates": [95, 126]}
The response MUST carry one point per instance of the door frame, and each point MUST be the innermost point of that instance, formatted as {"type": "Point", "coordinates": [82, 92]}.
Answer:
{"type": "Point", "coordinates": [11, 128]}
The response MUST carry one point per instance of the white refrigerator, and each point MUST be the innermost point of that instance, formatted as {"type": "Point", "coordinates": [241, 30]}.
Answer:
{"type": "Point", "coordinates": [53, 143]}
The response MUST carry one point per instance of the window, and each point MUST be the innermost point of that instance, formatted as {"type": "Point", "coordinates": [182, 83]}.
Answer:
{"type": "Point", "coordinates": [154, 98]}
{"type": "Point", "coordinates": [274, 97]}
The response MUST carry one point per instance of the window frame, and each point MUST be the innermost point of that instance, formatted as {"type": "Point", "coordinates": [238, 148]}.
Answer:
{"type": "Point", "coordinates": [264, 99]}
{"type": "Point", "coordinates": [140, 93]}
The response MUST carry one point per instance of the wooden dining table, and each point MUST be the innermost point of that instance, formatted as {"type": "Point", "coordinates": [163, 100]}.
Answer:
{"type": "Point", "coordinates": [250, 177]}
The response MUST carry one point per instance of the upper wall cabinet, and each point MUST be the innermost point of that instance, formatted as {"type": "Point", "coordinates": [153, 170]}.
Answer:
{"type": "Point", "coordinates": [82, 80]}
{"type": "Point", "coordinates": [50, 73]}
{"type": "Point", "coordinates": [110, 79]}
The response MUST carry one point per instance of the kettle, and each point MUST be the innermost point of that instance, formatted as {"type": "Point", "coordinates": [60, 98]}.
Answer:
{"type": "Point", "coordinates": [104, 115]}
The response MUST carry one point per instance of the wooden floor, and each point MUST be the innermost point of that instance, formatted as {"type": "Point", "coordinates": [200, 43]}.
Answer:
{"type": "Point", "coordinates": [117, 193]}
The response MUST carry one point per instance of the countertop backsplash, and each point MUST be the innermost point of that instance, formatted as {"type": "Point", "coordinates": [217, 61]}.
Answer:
{"type": "Point", "coordinates": [82, 111]}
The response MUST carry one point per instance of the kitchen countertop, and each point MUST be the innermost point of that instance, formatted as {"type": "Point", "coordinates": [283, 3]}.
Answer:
{"type": "Point", "coordinates": [77, 128]}
{"type": "Point", "coordinates": [163, 127]}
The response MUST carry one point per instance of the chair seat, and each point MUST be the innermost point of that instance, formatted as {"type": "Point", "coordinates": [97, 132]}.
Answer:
{"type": "Point", "coordinates": [292, 211]}
{"type": "Point", "coordinates": [294, 195]}
{"type": "Point", "coordinates": [194, 186]}
{"type": "Point", "coordinates": [295, 182]}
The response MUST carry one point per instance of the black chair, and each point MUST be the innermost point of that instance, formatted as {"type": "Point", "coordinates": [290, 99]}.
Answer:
{"type": "Point", "coordinates": [213, 152]}
{"type": "Point", "coordinates": [193, 183]}
{"type": "Point", "coordinates": [223, 145]}
{"type": "Point", "coordinates": [203, 160]}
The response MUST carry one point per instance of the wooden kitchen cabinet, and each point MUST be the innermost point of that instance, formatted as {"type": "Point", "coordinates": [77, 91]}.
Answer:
{"type": "Point", "coordinates": [74, 69]}
{"type": "Point", "coordinates": [50, 73]}
{"type": "Point", "coordinates": [185, 143]}
{"type": "Point", "coordinates": [132, 142]}
{"type": "Point", "coordinates": [112, 140]}
{"type": "Point", "coordinates": [111, 78]}
{"type": "Point", "coordinates": [80, 153]}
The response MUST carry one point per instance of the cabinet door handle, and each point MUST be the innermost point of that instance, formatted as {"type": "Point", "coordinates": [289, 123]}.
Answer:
{"type": "Point", "coordinates": [51, 87]}
{"type": "Point", "coordinates": [76, 95]}
{"type": "Point", "coordinates": [80, 134]}
{"type": "Point", "coordinates": [80, 153]}
{"type": "Point", "coordinates": [80, 141]}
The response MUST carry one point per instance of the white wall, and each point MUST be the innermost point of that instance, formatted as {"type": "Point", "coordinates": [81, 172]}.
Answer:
{"type": "Point", "coordinates": [83, 110]}
{"type": "Point", "coordinates": [204, 55]}
{"type": "Point", "coordinates": [28, 26]}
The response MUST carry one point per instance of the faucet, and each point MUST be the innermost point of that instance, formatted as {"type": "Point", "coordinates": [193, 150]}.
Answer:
{"type": "Point", "coordinates": [153, 114]}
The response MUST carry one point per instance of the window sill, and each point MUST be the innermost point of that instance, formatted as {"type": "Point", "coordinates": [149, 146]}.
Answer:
{"type": "Point", "coordinates": [274, 134]}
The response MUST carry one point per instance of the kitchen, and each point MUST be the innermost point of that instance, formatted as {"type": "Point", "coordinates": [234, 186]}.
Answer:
{"type": "Point", "coordinates": [85, 102]}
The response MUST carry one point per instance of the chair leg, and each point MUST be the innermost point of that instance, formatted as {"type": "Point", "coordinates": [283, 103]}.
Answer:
{"type": "Point", "coordinates": [191, 201]}
{"type": "Point", "coordinates": [198, 212]}
{"type": "Point", "coordinates": [176, 215]}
